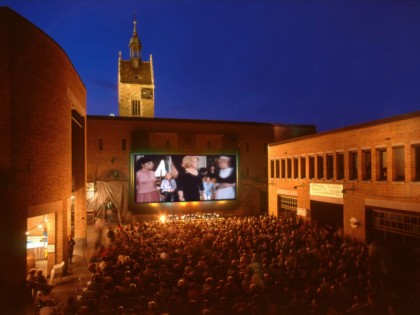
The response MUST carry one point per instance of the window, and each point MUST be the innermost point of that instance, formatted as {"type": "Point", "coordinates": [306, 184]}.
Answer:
{"type": "Point", "coordinates": [320, 166]}
{"type": "Point", "coordinates": [101, 144]}
{"type": "Point", "coordinates": [283, 168]}
{"type": "Point", "coordinates": [123, 144]}
{"type": "Point", "coordinates": [339, 157]}
{"type": "Point", "coordinates": [288, 206]}
{"type": "Point", "coordinates": [366, 165]}
{"type": "Point", "coordinates": [330, 166]}
{"type": "Point", "coordinates": [302, 167]}
{"type": "Point", "coordinates": [289, 168]}
{"type": "Point", "coordinates": [398, 222]}
{"type": "Point", "coordinates": [415, 158]}
{"type": "Point", "coordinates": [295, 167]}
{"type": "Point", "coordinates": [353, 165]}
{"type": "Point", "coordinates": [272, 169]}
{"type": "Point", "coordinates": [398, 164]}
{"type": "Point", "coordinates": [135, 108]}
{"type": "Point", "coordinates": [381, 164]}
{"type": "Point", "coordinates": [277, 168]}
{"type": "Point", "coordinates": [311, 167]}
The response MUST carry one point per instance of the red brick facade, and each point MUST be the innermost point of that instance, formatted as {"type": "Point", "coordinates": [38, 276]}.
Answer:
{"type": "Point", "coordinates": [39, 90]}
{"type": "Point", "coordinates": [381, 176]}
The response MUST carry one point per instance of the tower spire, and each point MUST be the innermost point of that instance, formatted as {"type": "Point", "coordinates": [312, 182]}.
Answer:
{"type": "Point", "coordinates": [135, 44]}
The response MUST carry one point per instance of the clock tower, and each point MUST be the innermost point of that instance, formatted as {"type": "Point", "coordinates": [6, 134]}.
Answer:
{"type": "Point", "coordinates": [135, 82]}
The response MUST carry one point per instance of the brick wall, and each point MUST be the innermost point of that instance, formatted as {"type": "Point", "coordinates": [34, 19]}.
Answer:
{"type": "Point", "coordinates": [37, 106]}
{"type": "Point", "coordinates": [388, 133]}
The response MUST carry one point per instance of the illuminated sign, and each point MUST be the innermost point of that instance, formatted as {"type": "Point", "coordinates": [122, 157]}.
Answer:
{"type": "Point", "coordinates": [326, 190]}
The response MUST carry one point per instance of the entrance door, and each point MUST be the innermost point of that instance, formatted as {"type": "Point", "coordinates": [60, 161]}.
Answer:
{"type": "Point", "coordinates": [327, 213]}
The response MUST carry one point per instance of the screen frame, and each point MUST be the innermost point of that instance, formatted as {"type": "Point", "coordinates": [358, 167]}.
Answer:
{"type": "Point", "coordinates": [180, 207]}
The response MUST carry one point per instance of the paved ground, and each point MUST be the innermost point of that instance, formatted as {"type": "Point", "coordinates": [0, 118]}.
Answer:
{"type": "Point", "coordinates": [78, 274]}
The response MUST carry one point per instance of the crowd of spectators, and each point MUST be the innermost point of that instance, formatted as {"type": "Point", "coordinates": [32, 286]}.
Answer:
{"type": "Point", "coordinates": [236, 265]}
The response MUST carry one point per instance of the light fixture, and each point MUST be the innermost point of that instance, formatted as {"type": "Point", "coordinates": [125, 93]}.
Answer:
{"type": "Point", "coordinates": [301, 185]}
{"type": "Point", "coordinates": [354, 223]}
{"type": "Point", "coordinates": [348, 189]}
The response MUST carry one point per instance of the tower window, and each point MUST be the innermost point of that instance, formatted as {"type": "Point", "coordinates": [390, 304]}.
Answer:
{"type": "Point", "coordinates": [123, 144]}
{"type": "Point", "coordinates": [135, 108]}
{"type": "Point", "coordinates": [100, 144]}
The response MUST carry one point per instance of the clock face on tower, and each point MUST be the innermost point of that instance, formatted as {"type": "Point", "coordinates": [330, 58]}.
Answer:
{"type": "Point", "coordinates": [147, 93]}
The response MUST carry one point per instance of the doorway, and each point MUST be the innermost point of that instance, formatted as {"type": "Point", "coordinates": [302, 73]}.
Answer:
{"type": "Point", "coordinates": [327, 213]}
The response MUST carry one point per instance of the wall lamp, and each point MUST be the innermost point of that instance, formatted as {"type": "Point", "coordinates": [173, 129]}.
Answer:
{"type": "Point", "coordinates": [354, 223]}
{"type": "Point", "coordinates": [352, 188]}
{"type": "Point", "coordinates": [301, 185]}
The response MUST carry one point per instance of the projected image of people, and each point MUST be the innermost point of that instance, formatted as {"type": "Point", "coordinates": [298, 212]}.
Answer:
{"type": "Point", "coordinates": [168, 187]}
{"type": "Point", "coordinates": [225, 179]}
{"type": "Point", "coordinates": [176, 177]}
{"type": "Point", "coordinates": [190, 181]}
{"type": "Point", "coordinates": [146, 181]}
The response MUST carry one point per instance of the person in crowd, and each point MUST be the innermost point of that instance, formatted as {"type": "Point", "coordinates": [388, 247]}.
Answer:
{"type": "Point", "coordinates": [70, 249]}
{"type": "Point", "coordinates": [189, 181]}
{"type": "Point", "coordinates": [209, 188]}
{"type": "Point", "coordinates": [70, 307]}
{"type": "Point", "coordinates": [31, 283]}
{"type": "Point", "coordinates": [226, 179]}
{"type": "Point", "coordinates": [168, 187]}
{"type": "Point", "coordinates": [146, 182]}
{"type": "Point", "coordinates": [110, 235]}
{"type": "Point", "coordinates": [41, 280]}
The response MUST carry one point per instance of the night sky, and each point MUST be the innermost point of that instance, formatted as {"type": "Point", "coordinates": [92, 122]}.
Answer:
{"type": "Point", "coordinates": [327, 63]}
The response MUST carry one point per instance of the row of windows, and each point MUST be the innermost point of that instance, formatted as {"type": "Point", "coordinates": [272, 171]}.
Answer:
{"type": "Point", "coordinates": [365, 164]}
{"type": "Point", "coordinates": [396, 222]}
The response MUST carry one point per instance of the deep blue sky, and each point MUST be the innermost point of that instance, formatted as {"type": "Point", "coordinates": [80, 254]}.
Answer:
{"type": "Point", "coordinates": [329, 63]}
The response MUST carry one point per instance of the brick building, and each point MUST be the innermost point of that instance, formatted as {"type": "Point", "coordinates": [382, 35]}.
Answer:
{"type": "Point", "coordinates": [111, 139]}
{"type": "Point", "coordinates": [42, 135]}
{"type": "Point", "coordinates": [364, 178]}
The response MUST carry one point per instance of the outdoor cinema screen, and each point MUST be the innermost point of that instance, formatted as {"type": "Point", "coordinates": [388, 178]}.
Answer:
{"type": "Point", "coordinates": [164, 178]}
